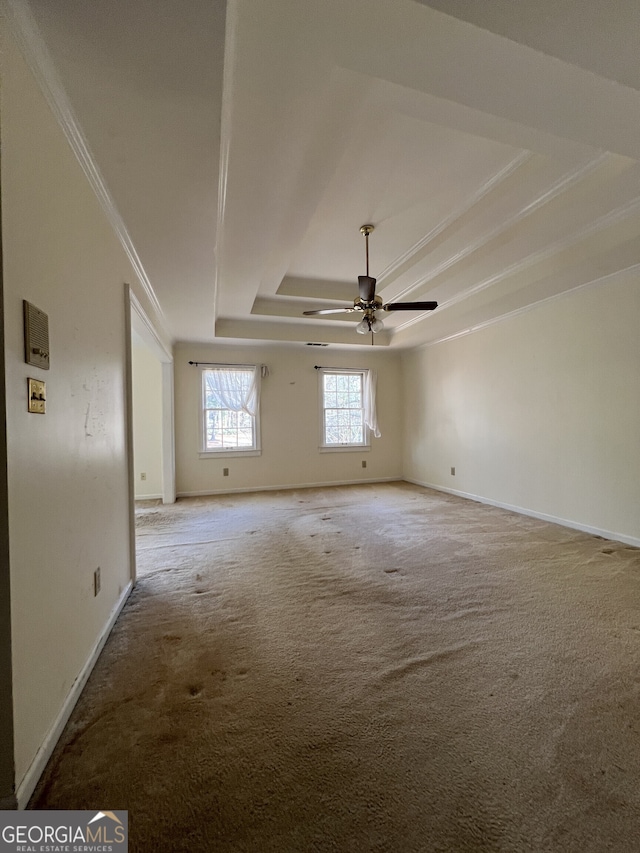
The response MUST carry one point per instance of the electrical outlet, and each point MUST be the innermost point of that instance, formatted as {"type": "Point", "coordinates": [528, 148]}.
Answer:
{"type": "Point", "coordinates": [364, 463]}
{"type": "Point", "coordinates": [225, 472]}
{"type": "Point", "coordinates": [96, 581]}
{"type": "Point", "coordinates": [453, 472]}
{"type": "Point", "coordinates": [143, 476]}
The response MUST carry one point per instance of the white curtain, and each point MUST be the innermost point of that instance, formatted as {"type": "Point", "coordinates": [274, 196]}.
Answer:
{"type": "Point", "coordinates": [370, 414]}
{"type": "Point", "coordinates": [236, 388]}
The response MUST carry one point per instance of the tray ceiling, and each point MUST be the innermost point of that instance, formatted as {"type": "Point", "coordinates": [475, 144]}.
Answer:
{"type": "Point", "coordinates": [243, 145]}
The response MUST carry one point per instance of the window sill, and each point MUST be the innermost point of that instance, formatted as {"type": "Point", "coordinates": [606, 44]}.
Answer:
{"type": "Point", "coordinates": [214, 454]}
{"type": "Point", "coordinates": [345, 448]}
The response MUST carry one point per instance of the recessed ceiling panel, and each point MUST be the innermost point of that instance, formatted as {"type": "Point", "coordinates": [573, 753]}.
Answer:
{"type": "Point", "coordinates": [403, 175]}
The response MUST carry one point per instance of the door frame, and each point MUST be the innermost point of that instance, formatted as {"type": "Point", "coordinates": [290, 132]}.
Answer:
{"type": "Point", "coordinates": [137, 319]}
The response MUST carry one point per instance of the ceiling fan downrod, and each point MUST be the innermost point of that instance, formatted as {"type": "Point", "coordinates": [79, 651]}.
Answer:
{"type": "Point", "coordinates": [366, 230]}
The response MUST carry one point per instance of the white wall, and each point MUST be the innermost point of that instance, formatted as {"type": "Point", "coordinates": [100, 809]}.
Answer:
{"type": "Point", "coordinates": [290, 420]}
{"type": "Point", "coordinates": [67, 470]}
{"type": "Point", "coordinates": [147, 422]}
{"type": "Point", "coordinates": [541, 411]}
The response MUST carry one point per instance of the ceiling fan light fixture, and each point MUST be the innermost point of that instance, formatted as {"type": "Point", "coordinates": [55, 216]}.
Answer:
{"type": "Point", "coordinates": [369, 302]}
{"type": "Point", "coordinates": [369, 323]}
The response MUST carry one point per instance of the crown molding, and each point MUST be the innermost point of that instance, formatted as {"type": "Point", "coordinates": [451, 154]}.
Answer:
{"type": "Point", "coordinates": [27, 34]}
{"type": "Point", "coordinates": [561, 185]}
{"type": "Point", "coordinates": [145, 324]}
{"type": "Point", "coordinates": [634, 269]}
{"type": "Point", "coordinates": [605, 221]}
{"type": "Point", "coordinates": [496, 179]}
{"type": "Point", "coordinates": [610, 218]}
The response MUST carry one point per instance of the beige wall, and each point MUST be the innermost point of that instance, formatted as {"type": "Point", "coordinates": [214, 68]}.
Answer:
{"type": "Point", "coordinates": [7, 775]}
{"type": "Point", "coordinates": [147, 422]}
{"type": "Point", "coordinates": [67, 470]}
{"type": "Point", "coordinates": [289, 418]}
{"type": "Point", "coordinates": [540, 412]}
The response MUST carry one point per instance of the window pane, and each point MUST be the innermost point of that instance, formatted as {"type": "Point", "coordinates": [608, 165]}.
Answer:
{"type": "Point", "coordinates": [212, 430]}
{"type": "Point", "coordinates": [329, 382]}
{"type": "Point", "coordinates": [350, 427]}
{"type": "Point", "coordinates": [226, 383]}
{"type": "Point", "coordinates": [331, 427]}
{"type": "Point", "coordinates": [343, 409]}
{"type": "Point", "coordinates": [228, 430]}
{"type": "Point", "coordinates": [224, 391]}
{"type": "Point", "coordinates": [343, 414]}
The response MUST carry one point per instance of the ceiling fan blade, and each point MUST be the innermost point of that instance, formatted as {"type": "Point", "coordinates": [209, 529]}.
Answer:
{"type": "Point", "coordinates": [328, 311]}
{"type": "Point", "coordinates": [409, 306]}
{"type": "Point", "coordinates": [367, 288]}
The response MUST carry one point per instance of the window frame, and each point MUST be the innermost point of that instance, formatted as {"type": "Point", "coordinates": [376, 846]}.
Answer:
{"type": "Point", "coordinates": [341, 448]}
{"type": "Point", "coordinates": [255, 449]}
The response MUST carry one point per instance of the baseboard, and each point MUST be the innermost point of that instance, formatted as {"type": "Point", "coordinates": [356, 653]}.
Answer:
{"type": "Point", "coordinates": [543, 516]}
{"type": "Point", "coordinates": [149, 497]}
{"type": "Point", "coordinates": [286, 487]}
{"type": "Point", "coordinates": [28, 784]}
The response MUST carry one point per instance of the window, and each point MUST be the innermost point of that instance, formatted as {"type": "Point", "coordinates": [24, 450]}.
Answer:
{"type": "Point", "coordinates": [348, 408]}
{"type": "Point", "coordinates": [230, 395]}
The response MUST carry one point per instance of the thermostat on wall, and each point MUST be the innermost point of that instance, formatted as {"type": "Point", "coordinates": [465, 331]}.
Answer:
{"type": "Point", "coordinates": [36, 336]}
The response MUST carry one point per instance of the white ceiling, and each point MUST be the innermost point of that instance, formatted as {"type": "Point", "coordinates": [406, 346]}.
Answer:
{"type": "Point", "coordinates": [493, 145]}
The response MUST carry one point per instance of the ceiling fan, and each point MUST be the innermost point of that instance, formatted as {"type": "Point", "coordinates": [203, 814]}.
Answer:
{"type": "Point", "coordinates": [368, 303]}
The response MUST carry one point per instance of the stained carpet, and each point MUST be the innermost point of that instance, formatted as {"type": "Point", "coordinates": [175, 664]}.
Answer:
{"type": "Point", "coordinates": [371, 668]}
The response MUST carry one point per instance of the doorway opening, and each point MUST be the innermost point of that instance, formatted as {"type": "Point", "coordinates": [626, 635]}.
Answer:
{"type": "Point", "coordinates": [150, 418]}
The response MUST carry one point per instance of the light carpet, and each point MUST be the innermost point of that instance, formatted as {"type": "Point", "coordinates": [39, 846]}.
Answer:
{"type": "Point", "coordinates": [368, 668]}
